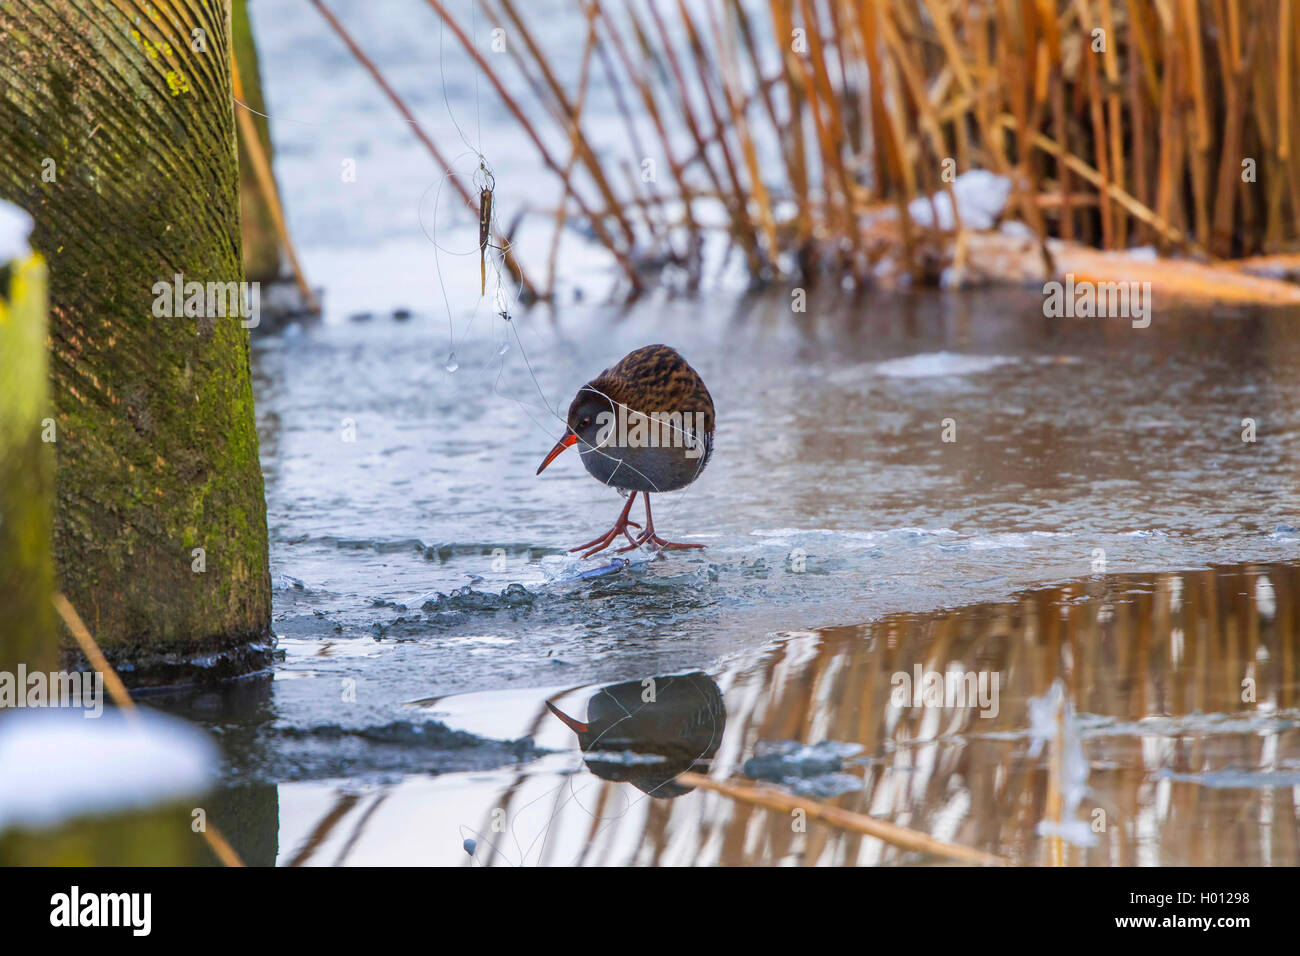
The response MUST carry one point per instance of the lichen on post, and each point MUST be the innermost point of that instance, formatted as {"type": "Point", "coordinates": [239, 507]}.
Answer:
{"type": "Point", "coordinates": [117, 134]}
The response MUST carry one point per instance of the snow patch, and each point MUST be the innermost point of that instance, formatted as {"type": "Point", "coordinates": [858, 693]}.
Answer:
{"type": "Point", "coordinates": [55, 765]}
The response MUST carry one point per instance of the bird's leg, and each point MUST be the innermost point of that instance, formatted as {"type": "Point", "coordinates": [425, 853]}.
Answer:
{"type": "Point", "coordinates": [606, 539]}
{"type": "Point", "coordinates": [649, 536]}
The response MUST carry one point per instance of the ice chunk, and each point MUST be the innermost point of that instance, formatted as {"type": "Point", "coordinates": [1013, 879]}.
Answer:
{"type": "Point", "coordinates": [814, 770]}
{"type": "Point", "coordinates": [941, 364]}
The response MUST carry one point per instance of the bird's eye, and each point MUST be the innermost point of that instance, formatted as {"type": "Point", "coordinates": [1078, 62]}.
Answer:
{"type": "Point", "coordinates": [586, 422]}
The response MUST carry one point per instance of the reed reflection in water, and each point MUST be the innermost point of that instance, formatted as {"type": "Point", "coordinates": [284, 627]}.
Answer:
{"type": "Point", "coordinates": [1185, 687]}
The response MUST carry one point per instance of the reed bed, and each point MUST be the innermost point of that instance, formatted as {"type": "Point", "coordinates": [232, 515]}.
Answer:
{"type": "Point", "coordinates": [813, 124]}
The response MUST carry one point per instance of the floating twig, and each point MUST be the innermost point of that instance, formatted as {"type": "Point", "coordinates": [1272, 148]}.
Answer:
{"type": "Point", "coordinates": [902, 837]}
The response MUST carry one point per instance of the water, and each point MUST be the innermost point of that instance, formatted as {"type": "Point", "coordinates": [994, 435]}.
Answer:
{"type": "Point", "coordinates": [1096, 516]}
{"type": "Point", "coordinates": [426, 606]}
{"type": "Point", "coordinates": [391, 483]}
{"type": "Point", "coordinates": [1180, 769]}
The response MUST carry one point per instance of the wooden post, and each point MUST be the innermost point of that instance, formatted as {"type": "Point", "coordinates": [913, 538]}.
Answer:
{"type": "Point", "coordinates": [120, 142]}
{"type": "Point", "coordinates": [26, 471]}
{"type": "Point", "coordinates": [150, 837]}
{"type": "Point", "coordinates": [261, 241]}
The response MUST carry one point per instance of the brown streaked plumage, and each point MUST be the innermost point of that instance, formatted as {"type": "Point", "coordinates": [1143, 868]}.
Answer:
{"type": "Point", "coordinates": [645, 425]}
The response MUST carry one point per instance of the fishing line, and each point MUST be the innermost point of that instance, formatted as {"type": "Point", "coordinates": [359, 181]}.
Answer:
{"type": "Point", "coordinates": [608, 820]}
{"type": "Point", "coordinates": [437, 263]}
{"type": "Point", "coordinates": [696, 441]}
{"type": "Point", "coordinates": [494, 226]}
{"type": "Point", "coordinates": [605, 820]}
{"type": "Point", "coordinates": [478, 112]}
{"type": "Point", "coordinates": [442, 73]}
{"type": "Point", "coordinates": [502, 288]}
{"type": "Point", "coordinates": [332, 124]}
{"type": "Point", "coordinates": [523, 854]}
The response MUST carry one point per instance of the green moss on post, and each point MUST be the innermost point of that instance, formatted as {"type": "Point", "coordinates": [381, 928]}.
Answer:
{"type": "Point", "coordinates": [119, 139]}
{"type": "Point", "coordinates": [28, 635]}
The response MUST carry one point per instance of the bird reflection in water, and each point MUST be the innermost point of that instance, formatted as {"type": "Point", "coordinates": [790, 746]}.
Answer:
{"type": "Point", "coordinates": [646, 732]}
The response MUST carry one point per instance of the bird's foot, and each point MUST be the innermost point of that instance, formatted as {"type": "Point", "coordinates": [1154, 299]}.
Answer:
{"type": "Point", "coordinates": [608, 538]}
{"type": "Point", "coordinates": [659, 544]}
{"type": "Point", "coordinates": [663, 545]}
{"type": "Point", "coordinates": [649, 537]}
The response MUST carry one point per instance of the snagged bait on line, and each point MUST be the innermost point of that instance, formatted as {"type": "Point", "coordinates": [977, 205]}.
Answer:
{"type": "Point", "coordinates": [484, 226]}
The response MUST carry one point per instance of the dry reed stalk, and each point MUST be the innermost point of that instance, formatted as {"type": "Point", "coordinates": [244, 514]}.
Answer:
{"type": "Point", "coordinates": [528, 290]}
{"type": "Point", "coordinates": [682, 90]}
{"type": "Point", "coordinates": [973, 94]}
{"type": "Point", "coordinates": [1229, 167]}
{"type": "Point", "coordinates": [1141, 29]}
{"type": "Point", "coordinates": [1166, 163]}
{"type": "Point", "coordinates": [81, 634]}
{"type": "Point", "coordinates": [1202, 144]}
{"type": "Point", "coordinates": [1056, 200]}
{"type": "Point", "coordinates": [782, 802]}
{"type": "Point", "coordinates": [1137, 121]}
{"type": "Point", "coordinates": [529, 71]}
{"type": "Point", "coordinates": [122, 700]}
{"type": "Point", "coordinates": [1009, 59]}
{"type": "Point", "coordinates": [783, 28]}
{"type": "Point", "coordinates": [597, 225]}
{"type": "Point", "coordinates": [1139, 211]}
{"type": "Point", "coordinates": [838, 217]}
{"type": "Point", "coordinates": [266, 182]}
{"type": "Point", "coordinates": [930, 125]}
{"type": "Point", "coordinates": [1065, 219]}
{"type": "Point", "coordinates": [643, 87]}
{"type": "Point", "coordinates": [730, 78]}
{"type": "Point", "coordinates": [652, 204]}
{"type": "Point", "coordinates": [764, 86]}
{"type": "Point", "coordinates": [1293, 40]}
{"type": "Point", "coordinates": [986, 83]}
{"type": "Point", "coordinates": [826, 94]}
{"type": "Point", "coordinates": [851, 195]}
{"type": "Point", "coordinates": [1103, 160]}
{"type": "Point", "coordinates": [1114, 113]}
{"type": "Point", "coordinates": [892, 168]}
{"type": "Point", "coordinates": [568, 109]}
{"type": "Point", "coordinates": [948, 40]}
{"type": "Point", "coordinates": [1136, 140]}
{"type": "Point", "coordinates": [1278, 156]}
{"type": "Point", "coordinates": [747, 231]}
{"type": "Point", "coordinates": [575, 134]}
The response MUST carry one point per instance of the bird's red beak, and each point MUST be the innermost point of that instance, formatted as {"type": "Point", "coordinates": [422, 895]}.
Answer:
{"type": "Point", "coordinates": [563, 443]}
{"type": "Point", "coordinates": [577, 726]}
